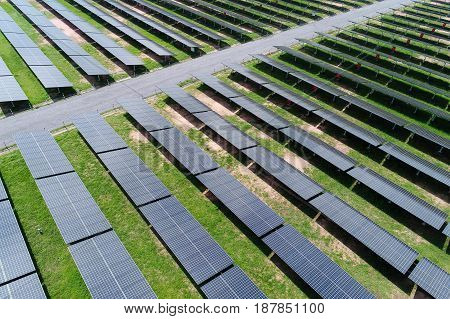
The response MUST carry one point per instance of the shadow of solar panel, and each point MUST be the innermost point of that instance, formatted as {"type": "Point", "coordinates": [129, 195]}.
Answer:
{"type": "Point", "coordinates": [319, 148]}
{"type": "Point", "coordinates": [243, 71]}
{"type": "Point", "coordinates": [42, 154]}
{"type": "Point", "coordinates": [50, 77]}
{"type": "Point", "coordinates": [432, 279]}
{"type": "Point", "coordinates": [108, 270]}
{"type": "Point", "coordinates": [399, 196]}
{"type": "Point", "coordinates": [20, 40]}
{"type": "Point", "coordinates": [186, 152]}
{"type": "Point", "coordinates": [429, 136]}
{"type": "Point", "coordinates": [28, 287]}
{"type": "Point", "coordinates": [10, 90]}
{"type": "Point", "coordinates": [100, 136]}
{"type": "Point", "coordinates": [74, 210]}
{"type": "Point", "coordinates": [33, 56]}
{"type": "Point", "coordinates": [350, 127]}
{"type": "Point", "coordinates": [291, 97]}
{"type": "Point", "coordinates": [226, 130]}
{"type": "Point", "coordinates": [136, 179]}
{"type": "Point", "coordinates": [15, 260]}
{"type": "Point", "coordinates": [194, 248]}
{"type": "Point", "coordinates": [290, 177]}
{"type": "Point", "coordinates": [217, 85]}
{"type": "Point", "coordinates": [146, 116]}
{"type": "Point", "coordinates": [89, 65]}
{"type": "Point", "coordinates": [323, 275]}
{"type": "Point", "coordinates": [184, 99]}
{"type": "Point", "coordinates": [3, 194]}
{"type": "Point", "coordinates": [417, 163]}
{"type": "Point", "coordinates": [232, 284]}
{"type": "Point", "coordinates": [261, 112]}
{"type": "Point", "coordinates": [388, 247]}
{"type": "Point", "coordinates": [248, 208]}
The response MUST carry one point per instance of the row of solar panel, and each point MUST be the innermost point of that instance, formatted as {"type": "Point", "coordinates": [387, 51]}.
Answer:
{"type": "Point", "coordinates": [248, 208]}
{"type": "Point", "coordinates": [76, 53]}
{"type": "Point", "coordinates": [194, 248]}
{"type": "Point", "coordinates": [402, 155]}
{"type": "Point", "coordinates": [381, 242]}
{"type": "Point", "coordinates": [97, 36]}
{"type": "Point", "coordinates": [10, 90]}
{"type": "Point", "coordinates": [37, 61]}
{"type": "Point", "coordinates": [18, 277]}
{"type": "Point", "coordinates": [105, 265]}
{"type": "Point", "coordinates": [392, 192]}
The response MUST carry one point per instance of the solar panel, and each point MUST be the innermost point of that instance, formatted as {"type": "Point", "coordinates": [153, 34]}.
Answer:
{"type": "Point", "coordinates": [28, 287]}
{"type": "Point", "coordinates": [417, 163]}
{"type": "Point", "coordinates": [432, 279]}
{"type": "Point", "coordinates": [319, 148]}
{"type": "Point", "coordinates": [184, 99]}
{"type": "Point", "coordinates": [217, 85]}
{"type": "Point", "coordinates": [89, 65]}
{"type": "Point", "coordinates": [10, 90]}
{"type": "Point", "coordinates": [33, 56]}
{"type": "Point", "coordinates": [42, 154]}
{"type": "Point", "coordinates": [248, 208]}
{"type": "Point", "coordinates": [125, 57]}
{"type": "Point", "coordinates": [261, 112]}
{"type": "Point", "coordinates": [75, 212]}
{"type": "Point", "coordinates": [136, 179]}
{"type": "Point", "coordinates": [273, 64]}
{"type": "Point", "coordinates": [70, 48]}
{"type": "Point", "coordinates": [292, 98]}
{"type": "Point", "coordinates": [15, 259]}
{"type": "Point", "coordinates": [350, 127]}
{"type": "Point", "coordinates": [146, 116]}
{"type": "Point", "coordinates": [53, 33]}
{"type": "Point", "coordinates": [50, 76]}
{"type": "Point", "coordinates": [186, 152]}
{"type": "Point", "coordinates": [20, 40]}
{"type": "Point", "coordinates": [194, 248]}
{"type": "Point", "coordinates": [399, 196]}
{"type": "Point", "coordinates": [243, 71]}
{"type": "Point", "coordinates": [232, 284]}
{"type": "Point", "coordinates": [316, 83]}
{"type": "Point", "coordinates": [100, 136]}
{"type": "Point", "coordinates": [382, 243]}
{"type": "Point", "coordinates": [226, 130]}
{"type": "Point", "coordinates": [323, 275]}
{"type": "Point", "coordinates": [442, 142]}
{"type": "Point", "coordinates": [40, 21]}
{"type": "Point", "coordinates": [290, 177]}
{"type": "Point", "coordinates": [446, 230]}
{"type": "Point", "coordinates": [108, 270]}
{"type": "Point", "coordinates": [9, 27]}
{"type": "Point", "coordinates": [3, 194]}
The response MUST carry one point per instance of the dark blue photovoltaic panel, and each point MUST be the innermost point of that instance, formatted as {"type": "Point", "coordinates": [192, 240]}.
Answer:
{"type": "Point", "coordinates": [243, 71]}
{"type": "Point", "coordinates": [292, 98]}
{"type": "Point", "coordinates": [232, 284]}
{"type": "Point", "coordinates": [108, 270]}
{"type": "Point", "coordinates": [432, 279]}
{"type": "Point", "coordinates": [15, 260]}
{"type": "Point", "coordinates": [42, 154]}
{"type": "Point", "coordinates": [28, 287]}
{"type": "Point", "coordinates": [74, 210]}
{"type": "Point", "coordinates": [217, 85]}
{"type": "Point", "coordinates": [186, 152]}
{"type": "Point", "coordinates": [446, 230]}
{"type": "Point", "coordinates": [382, 243]}
{"type": "Point", "coordinates": [442, 142]}
{"type": "Point", "coordinates": [194, 248]}
{"type": "Point", "coordinates": [290, 177]}
{"type": "Point", "coordinates": [248, 208]}
{"type": "Point", "coordinates": [323, 275]}
{"type": "Point", "coordinates": [184, 99]}
{"type": "Point", "coordinates": [319, 148]}
{"type": "Point", "coordinates": [143, 114]}
{"type": "Point", "coordinates": [138, 182]}
{"type": "Point", "coordinates": [100, 136]}
{"type": "Point", "coordinates": [399, 196]}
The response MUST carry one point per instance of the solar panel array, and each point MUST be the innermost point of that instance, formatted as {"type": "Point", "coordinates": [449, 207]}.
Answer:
{"type": "Point", "coordinates": [94, 34]}
{"type": "Point", "coordinates": [258, 79]}
{"type": "Point", "coordinates": [18, 278]}
{"type": "Point", "coordinates": [441, 142]}
{"type": "Point", "coordinates": [382, 243]}
{"type": "Point", "coordinates": [10, 90]}
{"type": "Point", "coordinates": [194, 248]}
{"type": "Point", "coordinates": [217, 85]}
{"type": "Point", "coordinates": [314, 267]}
{"type": "Point", "coordinates": [123, 28]}
{"type": "Point", "coordinates": [188, 102]}
{"type": "Point", "coordinates": [250, 210]}
{"type": "Point", "coordinates": [76, 53]}
{"type": "Point", "coordinates": [153, 25]}
{"type": "Point", "coordinates": [432, 279]}
{"type": "Point", "coordinates": [49, 76]}
{"type": "Point", "coordinates": [104, 264]}
{"type": "Point", "coordinates": [399, 196]}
